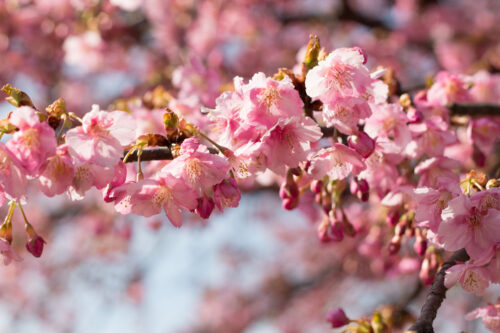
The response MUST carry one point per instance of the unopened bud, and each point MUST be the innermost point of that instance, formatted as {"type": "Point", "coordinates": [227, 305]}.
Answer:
{"type": "Point", "coordinates": [170, 121]}
{"type": "Point", "coordinates": [337, 318]}
{"type": "Point", "coordinates": [394, 245]}
{"type": "Point", "coordinates": [414, 115]}
{"type": "Point", "coordinates": [312, 52]}
{"type": "Point", "coordinates": [316, 186]}
{"type": "Point", "coordinates": [17, 97]}
{"type": "Point", "coordinates": [393, 217]}
{"type": "Point", "coordinates": [362, 144]}
{"type": "Point", "coordinates": [57, 108]}
{"type": "Point", "coordinates": [205, 207]}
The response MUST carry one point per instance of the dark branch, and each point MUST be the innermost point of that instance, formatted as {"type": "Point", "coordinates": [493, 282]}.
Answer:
{"type": "Point", "coordinates": [475, 109]}
{"type": "Point", "coordinates": [151, 154]}
{"type": "Point", "coordinates": [436, 295]}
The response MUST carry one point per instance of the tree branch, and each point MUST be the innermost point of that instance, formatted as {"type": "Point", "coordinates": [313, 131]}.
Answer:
{"type": "Point", "coordinates": [475, 109]}
{"type": "Point", "coordinates": [436, 295]}
{"type": "Point", "coordinates": [151, 154]}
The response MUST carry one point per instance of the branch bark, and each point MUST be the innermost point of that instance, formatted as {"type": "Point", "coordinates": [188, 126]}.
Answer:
{"type": "Point", "coordinates": [436, 295]}
{"type": "Point", "coordinates": [482, 109]}
{"type": "Point", "coordinates": [151, 154]}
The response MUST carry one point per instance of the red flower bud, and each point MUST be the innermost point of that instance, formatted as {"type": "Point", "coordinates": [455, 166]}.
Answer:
{"type": "Point", "coordinates": [205, 207]}
{"type": "Point", "coordinates": [337, 318]}
{"type": "Point", "coordinates": [35, 246]}
{"type": "Point", "coordinates": [362, 144]}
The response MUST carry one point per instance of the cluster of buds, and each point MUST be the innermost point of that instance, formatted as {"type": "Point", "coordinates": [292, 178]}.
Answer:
{"type": "Point", "coordinates": [289, 190]}
{"type": "Point", "coordinates": [360, 188]}
{"type": "Point", "coordinates": [334, 226]}
{"type": "Point", "coordinates": [405, 226]}
{"type": "Point", "coordinates": [34, 242]}
{"type": "Point", "coordinates": [378, 323]}
{"type": "Point", "coordinates": [177, 129]}
{"type": "Point", "coordinates": [430, 265]}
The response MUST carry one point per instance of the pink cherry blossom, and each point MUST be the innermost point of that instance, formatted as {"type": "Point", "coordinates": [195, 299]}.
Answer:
{"type": "Point", "coordinates": [102, 137]}
{"type": "Point", "coordinates": [429, 137]}
{"type": "Point", "coordinates": [341, 73]}
{"type": "Point", "coordinates": [449, 88]}
{"type": "Point", "coordinates": [57, 173]}
{"type": "Point", "coordinates": [197, 167]}
{"type": "Point", "coordinates": [388, 124]}
{"type": "Point", "coordinates": [8, 253]}
{"type": "Point", "coordinates": [472, 278]}
{"type": "Point", "coordinates": [227, 194]}
{"type": "Point", "coordinates": [167, 192]}
{"type": "Point", "coordinates": [471, 223]}
{"type": "Point", "coordinates": [489, 314]}
{"type": "Point", "coordinates": [345, 113]}
{"type": "Point", "coordinates": [432, 169]}
{"type": "Point", "coordinates": [266, 100]}
{"type": "Point", "coordinates": [13, 177]}
{"type": "Point", "coordinates": [88, 175]}
{"type": "Point", "coordinates": [34, 142]}
{"type": "Point", "coordinates": [337, 161]}
{"type": "Point", "coordinates": [288, 143]}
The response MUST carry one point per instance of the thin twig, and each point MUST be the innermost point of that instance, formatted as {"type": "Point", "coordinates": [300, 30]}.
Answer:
{"type": "Point", "coordinates": [482, 109]}
{"type": "Point", "coordinates": [436, 295]}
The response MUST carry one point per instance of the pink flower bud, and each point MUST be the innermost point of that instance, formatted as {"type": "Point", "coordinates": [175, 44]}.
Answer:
{"type": "Point", "coordinates": [290, 203]}
{"type": "Point", "coordinates": [420, 246]}
{"type": "Point", "coordinates": [316, 186]}
{"type": "Point", "coordinates": [337, 318]}
{"type": "Point", "coordinates": [289, 190]}
{"type": "Point", "coordinates": [392, 217]}
{"type": "Point", "coordinates": [35, 246]}
{"type": "Point", "coordinates": [414, 115]}
{"type": "Point", "coordinates": [362, 144]}
{"type": "Point", "coordinates": [205, 207]}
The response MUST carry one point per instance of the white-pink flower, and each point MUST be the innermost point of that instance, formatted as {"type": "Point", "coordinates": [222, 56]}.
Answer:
{"type": "Point", "coordinates": [474, 279]}
{"type": "Point", "coordinates": [489, 314]}
{"type": "Point", "coordinates": [101, 138]}
{"type": "Point", "coordinates": [34, 142]}
{"type": "Point", "coordinates": [337, 161]}
{"type": "Point", "coordinates": [341, 74]}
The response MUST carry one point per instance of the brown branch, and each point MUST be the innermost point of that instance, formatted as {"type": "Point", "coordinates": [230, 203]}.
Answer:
{"type": "Point", "coordinates": [475, 109]}
{"type": "Point", "coordinates": [151, 154]}
{"type": "Point", "coordinates": [436, 295]}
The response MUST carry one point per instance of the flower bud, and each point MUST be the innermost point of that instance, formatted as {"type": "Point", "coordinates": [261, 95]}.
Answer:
{"type": "Point", "coordinates": [316, 186]}
{"type": "Point", "coordinates": [392, 217]}
{"type": "Point", "coordinates": [395, 244]}
{"type": "Point", "coordinates": [414, 115]}
{"type": "Point", "coordinates": [205, 207]}
{"type": "Point", "coordinates": [170, 121]}
{"type": "Point", "coordinates": [34, 243]}
{"type": "Point", "coordinates": [17, 97]}
{"type": "Point", "coordinates": [362, 144]}
{"type": "Point", "coordinates": [290, 203]}
{"type": "Point", "coordinates": [337, 318]}
{"type": "Point", "coordinates": [312, 51]}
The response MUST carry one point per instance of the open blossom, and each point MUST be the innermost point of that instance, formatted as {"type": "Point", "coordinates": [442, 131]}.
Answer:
{"type": "Point", "coordinates": [388, 124]}
{"type": "Point", "coordinates": [88, 175]}
{"type": "Point", "coordinates": [35, 140]}
{"type": "Point", "coordinates": [434, 168]}
{"type": "Point", "coordinates": [13, 178]}
{"type": "Point", "coordinates": [474, 279]}
{"type": "Point", "coordinates": [167, 192]}
{"type": "Point", "coordinates": [472, 223]}
{"type": "Point", "coordinates": [102, 136]}
{"type": "Point", "coordinates": [429, 137]}
{"type": "Point", "coordinates": [227, 194]}
{"type": "Point", "coordinates": [8, 253]}
{"type": "Point", "coordinates": [449, 88]}
{"type": "Point", "coordinates": [288, 143]}
{"type": "Point", "coordinates": [345, 113]}
{"type": "Point", "coordinates": [431, 202]}
{"type": "Point", "coordinates": [337, 161]}
{"type": "Point", "coordinates": [342, 73]}
{"type": "Point", "coordinates": [266, 100]}
{"type": "Point", "coordinates": [489, 314]}
{"type": "Point", "coordinates": [57, 173]}
{"type": "Point", "coordinates": [197, 167]}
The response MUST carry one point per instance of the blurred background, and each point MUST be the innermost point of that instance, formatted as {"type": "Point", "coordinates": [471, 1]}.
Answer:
{"type": "Point", "coordinates": [252, 269]}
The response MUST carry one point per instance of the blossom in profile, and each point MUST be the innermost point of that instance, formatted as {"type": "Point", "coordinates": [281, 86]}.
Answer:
{"type": "Point", "coordinates": [489, 314]}
{"type": "Point", "coordinates": [337, 161]}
